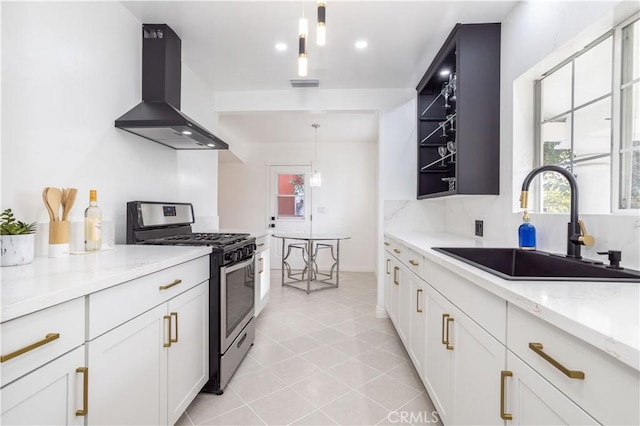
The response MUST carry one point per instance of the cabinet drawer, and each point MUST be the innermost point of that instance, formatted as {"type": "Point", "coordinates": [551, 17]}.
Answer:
{"type": "Point", "coordinates": [609, 391]}
{"type": "Point", "coordinates": [57, 329]}
{"type": "Point", "coordinates": [395, 248]}
{"type": "Point", "coordinates": [262, 243]}
{"type": "Point", "coordinates": [113, 306]}
{"type": "Point", "coordinates": [413, 260]}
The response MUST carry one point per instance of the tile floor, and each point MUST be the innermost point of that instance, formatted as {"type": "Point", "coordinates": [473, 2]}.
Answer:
{"type": "Point", "coordinates": [320, 359]}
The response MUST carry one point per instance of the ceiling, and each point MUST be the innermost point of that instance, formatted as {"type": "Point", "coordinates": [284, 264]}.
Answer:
{"type": "Point", "coordinates": [231, 46]}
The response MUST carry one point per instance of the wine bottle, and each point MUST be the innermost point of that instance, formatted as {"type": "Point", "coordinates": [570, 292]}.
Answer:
{"type": "Point", "coordinates": [92, 224]}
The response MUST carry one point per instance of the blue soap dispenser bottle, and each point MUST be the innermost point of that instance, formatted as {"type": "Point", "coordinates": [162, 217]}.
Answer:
{"type": "Point", "coordinates": [527, 233]}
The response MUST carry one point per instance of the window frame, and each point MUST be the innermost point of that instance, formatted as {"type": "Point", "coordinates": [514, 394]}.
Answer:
{"type": "Point", "coordinates": [615, 94]}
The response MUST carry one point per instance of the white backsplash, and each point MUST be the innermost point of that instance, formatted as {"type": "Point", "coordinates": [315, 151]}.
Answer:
{"type": "Point", "coordinates": [413, 215]}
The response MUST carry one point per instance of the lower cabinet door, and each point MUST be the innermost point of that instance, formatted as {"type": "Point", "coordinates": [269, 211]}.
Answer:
{"type": "Point", "coordinates": [189, 351]}
{"type": "Point", "coordinates": [532, 400]}
{"type": "Point", "coordinates": [418, 326]}
{"type": "Point", "coordinates": [478, 360]}
{"type": "Point", "coordinates": [52, 394]}
{"type": "Point", "coordinates": [262, 280]}
{"type": "Point", "coordinates": [439, 362]}
{"type": "Point", "coordinates": [127, 372]}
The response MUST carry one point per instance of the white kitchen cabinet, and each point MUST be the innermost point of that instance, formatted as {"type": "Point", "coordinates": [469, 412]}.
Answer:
{"type": "Point", "coordinates": [40, 355]}
{"type": "Point", "coordinates": [418, 324]}
{"type": "Point", "coordinates": [531, 400]}
{"type": "Point", "coordinates": [404, 304]}
{"type": "Point", "coordinates": [262, 273]}
{"type": "Point", "coordinates": [188, 363]}
{"type": "Point", "coordinates": [463, 365]}
{"type": "Point", "coordinates": [52, 394]}
{"type": "Point", "coordinates": [161, 357]}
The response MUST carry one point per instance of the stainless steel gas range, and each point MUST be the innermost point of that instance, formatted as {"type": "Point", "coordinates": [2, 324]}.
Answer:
{"type": "Point", "coordinates": [231, 282]}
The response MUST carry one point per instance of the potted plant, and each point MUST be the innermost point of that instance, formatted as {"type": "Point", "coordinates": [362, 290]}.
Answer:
{"type": "Point", "coordinates": [17, 240]}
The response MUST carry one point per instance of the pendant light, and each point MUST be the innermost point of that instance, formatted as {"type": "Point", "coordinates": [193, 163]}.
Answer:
{"type": "Point", "coordinates": [321, 33]}
{"type": "Point", "coordinates": [303, 30]}
{"type": "Point", "coordinates": [315, 179]}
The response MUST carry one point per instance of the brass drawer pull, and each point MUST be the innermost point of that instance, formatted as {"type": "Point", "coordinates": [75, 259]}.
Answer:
{"type": "Point", "coordinates": [396, 281]}
{"type": "Point", "coordinates": [388, 261]}
{"type": "Point", "coordinates": [386, 243]}
{"type": "Point", "coordinates": [50, 337]}
{"type": "Point", "coordinates": [418, 310]}
{"type": "Point", "coordinates": [168, 318]}
{"type": "Point", "coordinates": [85, 391]}
{"type": "Point", "coordinates": [175, 315]}
{"type": "Point", "coordinates": [572, 374]}
{"type": "Point", "coordinates": [444, 319]}
{"type": "Point", "coordinates": [503, 375]}
{"type": "Point", "coordinates": [260, 244]}
{"type": "Point", "coordinates": [168, 286]}
{"type": "Point", "coordinates": [449, 346]}
{"type": "Point", "coordinates": [413, 262]}
{"type": "Point", "coordinates": [396, 250]}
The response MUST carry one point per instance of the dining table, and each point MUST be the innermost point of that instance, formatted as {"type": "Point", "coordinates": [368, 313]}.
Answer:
{"type": "Point", "coordinates": [310, 245]}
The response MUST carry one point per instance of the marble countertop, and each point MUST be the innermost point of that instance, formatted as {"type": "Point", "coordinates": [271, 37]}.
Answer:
{"type": "Point", "coordinates": [46, 282]}
{"type": "Point", "coordinates": [603, 314]}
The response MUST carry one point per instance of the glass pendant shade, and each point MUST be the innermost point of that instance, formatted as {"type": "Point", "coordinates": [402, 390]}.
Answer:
{"type": "Point", "coordinates": [315, 179]}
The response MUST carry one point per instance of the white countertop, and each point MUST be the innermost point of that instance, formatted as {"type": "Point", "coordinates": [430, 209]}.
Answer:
{"type": "Point", "coordinates": [46, 282]}
{"type": "Point", "coordinates": [603, 314]}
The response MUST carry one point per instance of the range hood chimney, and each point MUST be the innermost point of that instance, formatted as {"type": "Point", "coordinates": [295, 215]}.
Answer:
{"type": "Point", "coordinates": [158, 117]}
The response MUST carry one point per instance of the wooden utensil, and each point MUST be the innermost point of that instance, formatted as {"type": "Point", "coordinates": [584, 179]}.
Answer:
{"type": "Point", "coordinates": [68, 202]}
{"type": "Point", "coordinates": [46, 203]}
{"type": "Point", "coordinates": [54, 198]}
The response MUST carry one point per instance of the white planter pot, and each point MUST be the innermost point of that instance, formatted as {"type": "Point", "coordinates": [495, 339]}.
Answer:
{"type": "Point", "coordinates": [16, 249]}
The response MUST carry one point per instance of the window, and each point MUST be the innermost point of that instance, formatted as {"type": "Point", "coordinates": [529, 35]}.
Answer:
{"type": "Point", "coordinates": [578, 121]}
{"type": "Point", "coordinates": [290, 196]}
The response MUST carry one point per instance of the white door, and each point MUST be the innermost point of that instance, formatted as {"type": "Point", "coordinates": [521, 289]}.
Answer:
{"type": "Point", "coordinates": [290, 199]}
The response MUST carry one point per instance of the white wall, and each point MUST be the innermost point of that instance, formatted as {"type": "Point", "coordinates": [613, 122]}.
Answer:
{"type": "Point", "coordinates": [347, 195]}
{"type": "Point", "coordinates": [69, 69]}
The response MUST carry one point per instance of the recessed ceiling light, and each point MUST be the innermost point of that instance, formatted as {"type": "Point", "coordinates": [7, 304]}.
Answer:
{"type": "Point", "coordinates": [281, 47]}
{"type": "Point", "coordinates": [361, 44]}
{"type": "Point", "coordinates": [445, 73]}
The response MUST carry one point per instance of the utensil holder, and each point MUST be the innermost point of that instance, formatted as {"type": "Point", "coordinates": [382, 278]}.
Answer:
{"type": "Point", "coordinates": [59, 238]}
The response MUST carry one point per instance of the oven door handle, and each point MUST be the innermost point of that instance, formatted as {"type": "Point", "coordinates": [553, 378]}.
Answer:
{"type": "Point", "coordinates": [235, 267]}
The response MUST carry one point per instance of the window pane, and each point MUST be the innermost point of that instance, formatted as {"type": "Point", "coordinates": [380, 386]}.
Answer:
{"type": "Point", "coordinates": [558, 132]}
{"type": "Point", "coordinates": [555, 187]}
{"type": "Point", "coordinates": [630, 57]}
{"type": "Point", "coordinates": [592, 130]}
{"type": "Point", "coordinates": [556, 93]}
{"type": "Point", "coordinates": [630, 149]}
{"type": "Point", "coordinates": [593, 71]}
{"type": "Point", "coordinates": [290, 196]}
{"type": "Point", "coordinates": [594, 181]}
{"type": "Point", "coordinates": [630, 182]}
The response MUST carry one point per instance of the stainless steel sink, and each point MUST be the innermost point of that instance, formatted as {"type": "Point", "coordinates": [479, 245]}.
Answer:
{"type": "Point", "coordinates": [525, 265]}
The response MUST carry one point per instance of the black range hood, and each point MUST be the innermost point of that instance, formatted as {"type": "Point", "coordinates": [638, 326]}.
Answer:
{"type": "Point", "coordinates": [158, 117]}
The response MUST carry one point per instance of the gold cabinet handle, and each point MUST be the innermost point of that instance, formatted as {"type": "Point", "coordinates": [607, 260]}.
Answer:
{"type": "Point", "coordinates": [444, 319]}
{"type": "Point", "coordinates": [386, 243]}
{"type": "Point", "coordinates": [171, 340]}
{"type": "Point", "coordinates": [396, 281]}
{"type": "Point", "coordinates": [503, 376]}
{"type": "Point", "coordinates": [168, 318]}
{"type": "Point", "coordinates": [418, 310]}
{"type": "Point", "coordinates": [85, 391]}
{"type": "Point", "coordinates": [388, 261]}
{"type": "Point", "coordinates": [396, 250]}
{"type": "Point", "coordinates": [448, 345]}
{"type": "Point", "coordinates": [260, 261]}
{"type": "Point", "coordinates": [572, 374]}
{"type": "Point", "coordinates": [260, 244]}
{"type": "Point", "coordinates": [50, 337]}
{"type": "Point", "coordinates": [168, 286]}
{"type": "Point", "coordinates": [413, 262]}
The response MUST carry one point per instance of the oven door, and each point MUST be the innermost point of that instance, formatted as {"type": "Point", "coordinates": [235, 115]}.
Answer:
{"type": "Point", "coordinates": [237, 298]}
